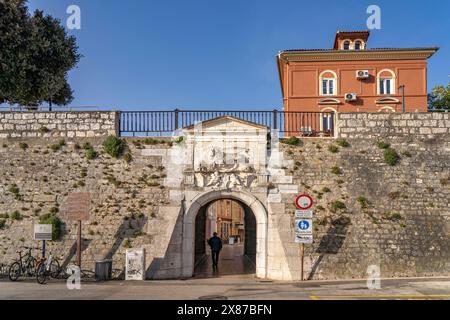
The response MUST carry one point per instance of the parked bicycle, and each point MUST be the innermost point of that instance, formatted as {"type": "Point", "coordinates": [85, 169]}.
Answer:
{"type": "Point", "coordinates": [47, 268]}
{"type": "Point", "coordinates": [24, 266]}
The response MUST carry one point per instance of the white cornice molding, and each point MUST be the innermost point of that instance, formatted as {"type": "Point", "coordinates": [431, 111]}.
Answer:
{"type": "Point", "coordinates": [356, 55]}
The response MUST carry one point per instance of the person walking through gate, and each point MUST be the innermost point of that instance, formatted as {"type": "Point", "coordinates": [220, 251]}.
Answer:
{"type": "Point", "coordinates": [216, 245]}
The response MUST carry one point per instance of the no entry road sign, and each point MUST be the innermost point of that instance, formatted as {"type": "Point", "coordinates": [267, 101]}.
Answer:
{"type": "Point", "coordinates": [304, 202]}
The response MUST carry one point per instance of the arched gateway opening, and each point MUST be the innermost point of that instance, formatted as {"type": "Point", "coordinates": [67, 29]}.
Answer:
{"type": "Point", "coordinates": [247, 256]}
{"type": "Point", "coordinates": [235, 224]}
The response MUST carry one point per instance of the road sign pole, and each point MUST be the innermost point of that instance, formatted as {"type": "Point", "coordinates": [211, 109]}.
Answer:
{"type": "Point", "coordinates": [43, 248]}
{"type": "Point", "coordinates": [302, 255]}
{"type": "Point", "coordinates": [79, 245]}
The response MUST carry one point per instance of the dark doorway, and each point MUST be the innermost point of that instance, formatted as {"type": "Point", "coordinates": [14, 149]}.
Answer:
{"type": "Point", "coordinates": [235, 224]}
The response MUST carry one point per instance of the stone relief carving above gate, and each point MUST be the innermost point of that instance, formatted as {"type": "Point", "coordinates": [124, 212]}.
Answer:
{"type": "Point", "coordinates": [226, 153]}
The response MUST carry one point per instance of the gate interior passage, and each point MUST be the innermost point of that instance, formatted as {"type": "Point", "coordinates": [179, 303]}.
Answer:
{"type": "Point", "coordinates": [144, 123]}
{"type": "Point", "coordinates": [235, 224]}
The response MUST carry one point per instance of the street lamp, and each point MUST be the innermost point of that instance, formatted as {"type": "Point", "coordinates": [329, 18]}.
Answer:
{"type": "Point", "coordinates": [402, 87]}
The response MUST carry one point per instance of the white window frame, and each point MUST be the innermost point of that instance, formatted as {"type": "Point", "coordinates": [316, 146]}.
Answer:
{"type": "Point", "coordinates": [328, 78]}
{"type": "Point", "coordinates": [383, 79]}
{"type": "Point", "coordinates": [328, 87]}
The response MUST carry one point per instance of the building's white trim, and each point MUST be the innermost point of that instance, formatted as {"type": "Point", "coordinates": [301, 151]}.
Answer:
{"type": "Point", "coordinates": [363, 44]}
{"type": "Point", "coordinates": [350, 44]}
{"type": "Point", "coordinates": [326, 101]}
{"type": "Point", "coordinates": [386, 108]}
{"type": "Point", "coordinates": [387, 100]}
{"type": "Point", "coordinates": [335, 86]}
{"type": "Point", "coordinates": [393, 81]}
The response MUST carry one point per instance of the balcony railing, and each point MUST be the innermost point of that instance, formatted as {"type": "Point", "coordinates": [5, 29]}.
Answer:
{"type": "Point", "coordinates": [143, 123]}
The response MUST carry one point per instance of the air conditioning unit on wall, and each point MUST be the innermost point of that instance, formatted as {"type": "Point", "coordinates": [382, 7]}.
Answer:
{"type": "Point", "coordinates": [350, 97]}
{"type": "Point", "coordinates": [362, 74]}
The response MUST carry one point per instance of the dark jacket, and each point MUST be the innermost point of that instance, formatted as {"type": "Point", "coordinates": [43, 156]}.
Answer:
{"type": "Point", "coordinates": [215, 243]}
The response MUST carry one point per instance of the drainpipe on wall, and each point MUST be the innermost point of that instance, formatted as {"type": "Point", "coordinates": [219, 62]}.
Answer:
{"type": "Point", "coordinates": [402, 87]}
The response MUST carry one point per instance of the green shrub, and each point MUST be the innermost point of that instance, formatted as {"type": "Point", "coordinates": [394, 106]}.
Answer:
{"type": "Point", "coordinates": [113, 146]}
{"type": "Point", "coordinates": [4, 216]}
{"type": "Point", "coordinates": [362, 201]}
{"type": "Point", "coordinates": [393, 216]}
{"type": "Point", "coordinates": [391, 156]}
{"type": "Point", "coordinates": [128, 157]}
{"type": "Point", "coordinates": [14, 189]}
{"type": "Point", "coordinates": [55, 147]}
{"type": "Point", "coordinates": [23, 146]}
{"type": "Point", "coordinates": [293, 141]}
{"type": "Point", "coordinates": [445, 181]}
{"type": "Point", "coordinates": [179, 140]}
{"type": "Point", "coordinates": [91, 153]}
{"type": "Point", "coordinates": [16, 215]}
{"type": "Point", "coordinates": [337, 205]}
{"type": "Point", "coordinates": [51, 218]}
{"type": "Point", "coordinates": [127, 244]}
{"type": "Point", "coordinates": [114, 181]}
{"type": "Point", "coordinates": [336, 170]}
{"type": "Point", "coordinates": [44, 129]}
{"type": "Point", "coordinates": [2, 223]}
{"type": "Point", "coordinates": [342, 142]}
{"type": "Point", "coordinates": [383, 145]}
{"type": "Point", "coordinates": [325, 190]}
{"type": "Point", "coordinates": [151, 141]}
{"type": "Point", "coordinates": [54, 210]}
{"type": "Point", "coordinates": [333, 149]}
{"type": "Point", "coordinates": [87, 146]}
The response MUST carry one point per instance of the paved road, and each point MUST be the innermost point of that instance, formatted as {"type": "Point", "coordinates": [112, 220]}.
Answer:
{"type": "Point", "coordinates": [233, 288]}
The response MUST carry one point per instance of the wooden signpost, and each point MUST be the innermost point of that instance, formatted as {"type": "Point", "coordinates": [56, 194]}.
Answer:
{"type": "Point", "coordinates": [76, 208]}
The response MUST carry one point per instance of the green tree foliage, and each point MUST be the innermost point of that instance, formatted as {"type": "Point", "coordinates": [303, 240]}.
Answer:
{"type": "Point", "coordinates": [439, 98]}
{"type": "Point", "coordinates": [52, 218]}
{"type": "Point", "coordinates": [36, 55]}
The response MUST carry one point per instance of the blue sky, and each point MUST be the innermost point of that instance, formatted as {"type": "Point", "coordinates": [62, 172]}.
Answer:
{"type": "Point", "coordinates": [221, 54]}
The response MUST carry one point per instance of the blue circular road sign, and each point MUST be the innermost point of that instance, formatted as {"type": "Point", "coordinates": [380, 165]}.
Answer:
{"type": "Point", "coordinates": [303, 225]}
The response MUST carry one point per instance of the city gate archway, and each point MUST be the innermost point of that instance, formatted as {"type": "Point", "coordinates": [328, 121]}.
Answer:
{"type": "Point", "coordinates": [194, 234]}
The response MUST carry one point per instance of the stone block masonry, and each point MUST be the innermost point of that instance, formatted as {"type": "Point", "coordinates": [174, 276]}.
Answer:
{"type": "Point", "coordinates": [367, 211]}
{"type": "Point", "coordinates": [392, 125]}
{"type": "Point", "coordinates": [126, 197]}
{"type": "Point", "coordinates": [58, 124]}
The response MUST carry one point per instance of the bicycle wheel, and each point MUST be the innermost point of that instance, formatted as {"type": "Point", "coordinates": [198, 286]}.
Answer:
{"type": "Point", "coordinates": [55, 269]}
{"type": "Point", "coordinates": [14, 271]}
{"type": "Point", "coordinates": [41, 273]}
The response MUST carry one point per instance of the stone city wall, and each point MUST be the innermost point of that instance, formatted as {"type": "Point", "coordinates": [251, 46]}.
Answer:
{"type": "Point", "coordinates": [58, 124]}
{"type": "Point", "coordinates": [39, 173]}
{"type": "Point", "coordinates": [373, 125]}
{"type": "Point", "coordinates": [367, 211]}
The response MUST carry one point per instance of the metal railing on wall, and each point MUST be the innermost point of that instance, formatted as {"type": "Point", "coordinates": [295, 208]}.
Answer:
{"type": "Point", "coordinates": [142, 123]}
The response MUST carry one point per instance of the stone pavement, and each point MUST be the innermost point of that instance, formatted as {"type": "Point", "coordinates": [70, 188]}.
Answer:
{"type": "Point", "coordinates": [232, 288]}
{"type": "Point", "coordinates": [232, 261]}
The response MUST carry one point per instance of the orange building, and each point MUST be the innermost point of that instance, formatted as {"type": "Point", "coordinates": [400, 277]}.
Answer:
{"type": "Point", "coordinates": [226, 217]}
{"type": "Point", "coordinates": [354, 78]}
